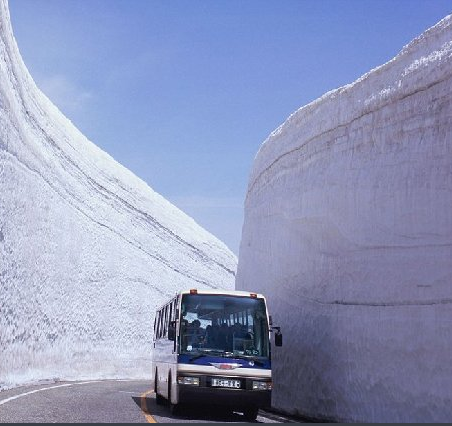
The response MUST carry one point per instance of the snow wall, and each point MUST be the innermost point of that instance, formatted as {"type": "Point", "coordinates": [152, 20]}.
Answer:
{"type": "Point", "coordinates": [348, 232]}
{"type": "Point", "coordinates": [87, 250]}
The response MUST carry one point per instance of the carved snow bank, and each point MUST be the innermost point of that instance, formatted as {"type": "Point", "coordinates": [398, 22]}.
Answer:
{"type": "Point", "coordinates": [348, 231]}
{"type": "Point", "coordinates": [87, 250]}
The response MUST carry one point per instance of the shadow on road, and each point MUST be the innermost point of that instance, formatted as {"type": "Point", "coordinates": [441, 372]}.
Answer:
{"type": "Point", "coordinates": [207, 413]}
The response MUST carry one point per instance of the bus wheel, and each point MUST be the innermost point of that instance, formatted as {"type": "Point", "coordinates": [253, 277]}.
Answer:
{"type": "Point", "coordinates": [159, 400]}
{"type": "Point", "coordinates": [174, 408]}
{"type": "Point", "coordinates": [250, 414]}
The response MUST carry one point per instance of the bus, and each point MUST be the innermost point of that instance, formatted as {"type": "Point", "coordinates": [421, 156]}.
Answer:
{"type": "Point", "coordinates": [214, 345]}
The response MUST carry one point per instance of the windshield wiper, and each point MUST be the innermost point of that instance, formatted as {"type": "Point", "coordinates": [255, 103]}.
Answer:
{"type": "Point", "coordinates": [196, 357]}
{"type": "Point", "coordinates": [223, 354]}
{"type": "Point", "coordinates": [206, 352]}
{"type": "Point", "coordinates": [247, 357]}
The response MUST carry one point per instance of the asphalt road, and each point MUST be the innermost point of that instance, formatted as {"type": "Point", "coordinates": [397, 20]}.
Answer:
{"type": "Point", "coordinates": [107, 401]}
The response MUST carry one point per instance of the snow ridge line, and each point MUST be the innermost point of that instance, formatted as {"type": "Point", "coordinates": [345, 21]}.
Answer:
{"type": "Point", "coordinates": [146, 216]}
{"type": "Point", "coordinates": [134, 244]}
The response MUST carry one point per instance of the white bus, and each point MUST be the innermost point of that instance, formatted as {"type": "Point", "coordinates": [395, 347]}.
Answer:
{"type": "Point", "coordinates": [214, 346]}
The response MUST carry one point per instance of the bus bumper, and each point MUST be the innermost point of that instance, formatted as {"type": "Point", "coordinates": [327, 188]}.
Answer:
{"type": "Point", "coordinates": [236, 398]}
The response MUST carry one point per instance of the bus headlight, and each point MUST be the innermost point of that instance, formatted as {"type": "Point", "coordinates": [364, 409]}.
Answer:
{"type": "Point", "coordinates": [262, 385]}
{"type": "Point", "coordinates": [186, 380]}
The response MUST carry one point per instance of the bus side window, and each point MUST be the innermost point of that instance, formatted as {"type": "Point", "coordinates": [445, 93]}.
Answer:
{"type": "Point", "coordinates": [160, 324]}
{"type": "Point", "coordinates": [157, 317]}
{"type": "Point", "coordinates": [166, 322]}
{"type": "Point", "coordinates": [162, 321]}
{"type": "Point", "coordinates": [170, 316]}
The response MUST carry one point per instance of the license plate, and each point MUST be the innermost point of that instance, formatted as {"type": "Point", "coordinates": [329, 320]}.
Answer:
{"type": "Point", "coordinates": [226, 383]}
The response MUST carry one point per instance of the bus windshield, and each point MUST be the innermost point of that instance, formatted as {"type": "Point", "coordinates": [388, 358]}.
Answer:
{"type": "Point", "coordinates": [224, 325]}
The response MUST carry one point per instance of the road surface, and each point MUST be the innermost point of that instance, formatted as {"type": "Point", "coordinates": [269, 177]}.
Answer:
{"type": "Point", "coordinates": [106, 401]}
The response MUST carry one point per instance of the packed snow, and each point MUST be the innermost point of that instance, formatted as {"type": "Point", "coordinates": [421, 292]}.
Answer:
{"type": "Point", "coordinates": [87, 249]}
{"type": "Point", "coordinates": [348, 232]}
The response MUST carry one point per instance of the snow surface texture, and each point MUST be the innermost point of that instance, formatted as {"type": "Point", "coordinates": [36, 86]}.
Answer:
{"type": "Point", "coordinates": [348, 232]}
{"type": "Point", "coordinates": [87, 250]}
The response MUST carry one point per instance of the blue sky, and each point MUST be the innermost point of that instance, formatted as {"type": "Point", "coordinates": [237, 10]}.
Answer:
{"type": "Point", "coordinates": [184, 92]}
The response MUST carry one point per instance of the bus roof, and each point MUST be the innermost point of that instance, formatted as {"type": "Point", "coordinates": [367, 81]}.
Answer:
{"type": "Point", "coordinates": [239, 293]}
{"type": "Point", "coordinates": [223, 292]}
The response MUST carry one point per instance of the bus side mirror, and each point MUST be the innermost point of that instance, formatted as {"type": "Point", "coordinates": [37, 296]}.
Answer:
{"type": "Point", "coordinates": [172, 331]}
{"type": "Point", "coordinates": [278, 336]}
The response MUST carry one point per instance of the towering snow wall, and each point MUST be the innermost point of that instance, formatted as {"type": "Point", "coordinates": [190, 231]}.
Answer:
{"type": "Point", "coordinates": [87, 250]}
{"type": "Point", "coordinates": [348, 231]}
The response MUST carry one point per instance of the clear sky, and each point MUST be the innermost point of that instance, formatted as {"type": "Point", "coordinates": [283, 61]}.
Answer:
{"type": "Point", "coordinates": [184, 92]}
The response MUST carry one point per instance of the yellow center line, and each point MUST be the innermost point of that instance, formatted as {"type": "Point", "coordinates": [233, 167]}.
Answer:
{"type": "Point", "coordinates": [144, 407]}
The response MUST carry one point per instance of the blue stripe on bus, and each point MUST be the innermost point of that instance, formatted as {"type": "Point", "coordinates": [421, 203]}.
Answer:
{"type": "Point", "coordinates": [206, 360]}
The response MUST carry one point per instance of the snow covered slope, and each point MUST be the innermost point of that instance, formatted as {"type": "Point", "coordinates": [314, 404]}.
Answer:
{"type": "Point", "coordinates": [87, 250]}
{"type": "Point", "coordinates": [348, 231]}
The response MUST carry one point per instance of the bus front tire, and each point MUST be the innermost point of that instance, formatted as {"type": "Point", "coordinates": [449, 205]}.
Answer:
{"type": "Point", "coordinates": [174, 408]}
{"type": "Point", "coordinates": [159, 400]}
{"type": "Point", "coordinates": [250, 414]}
